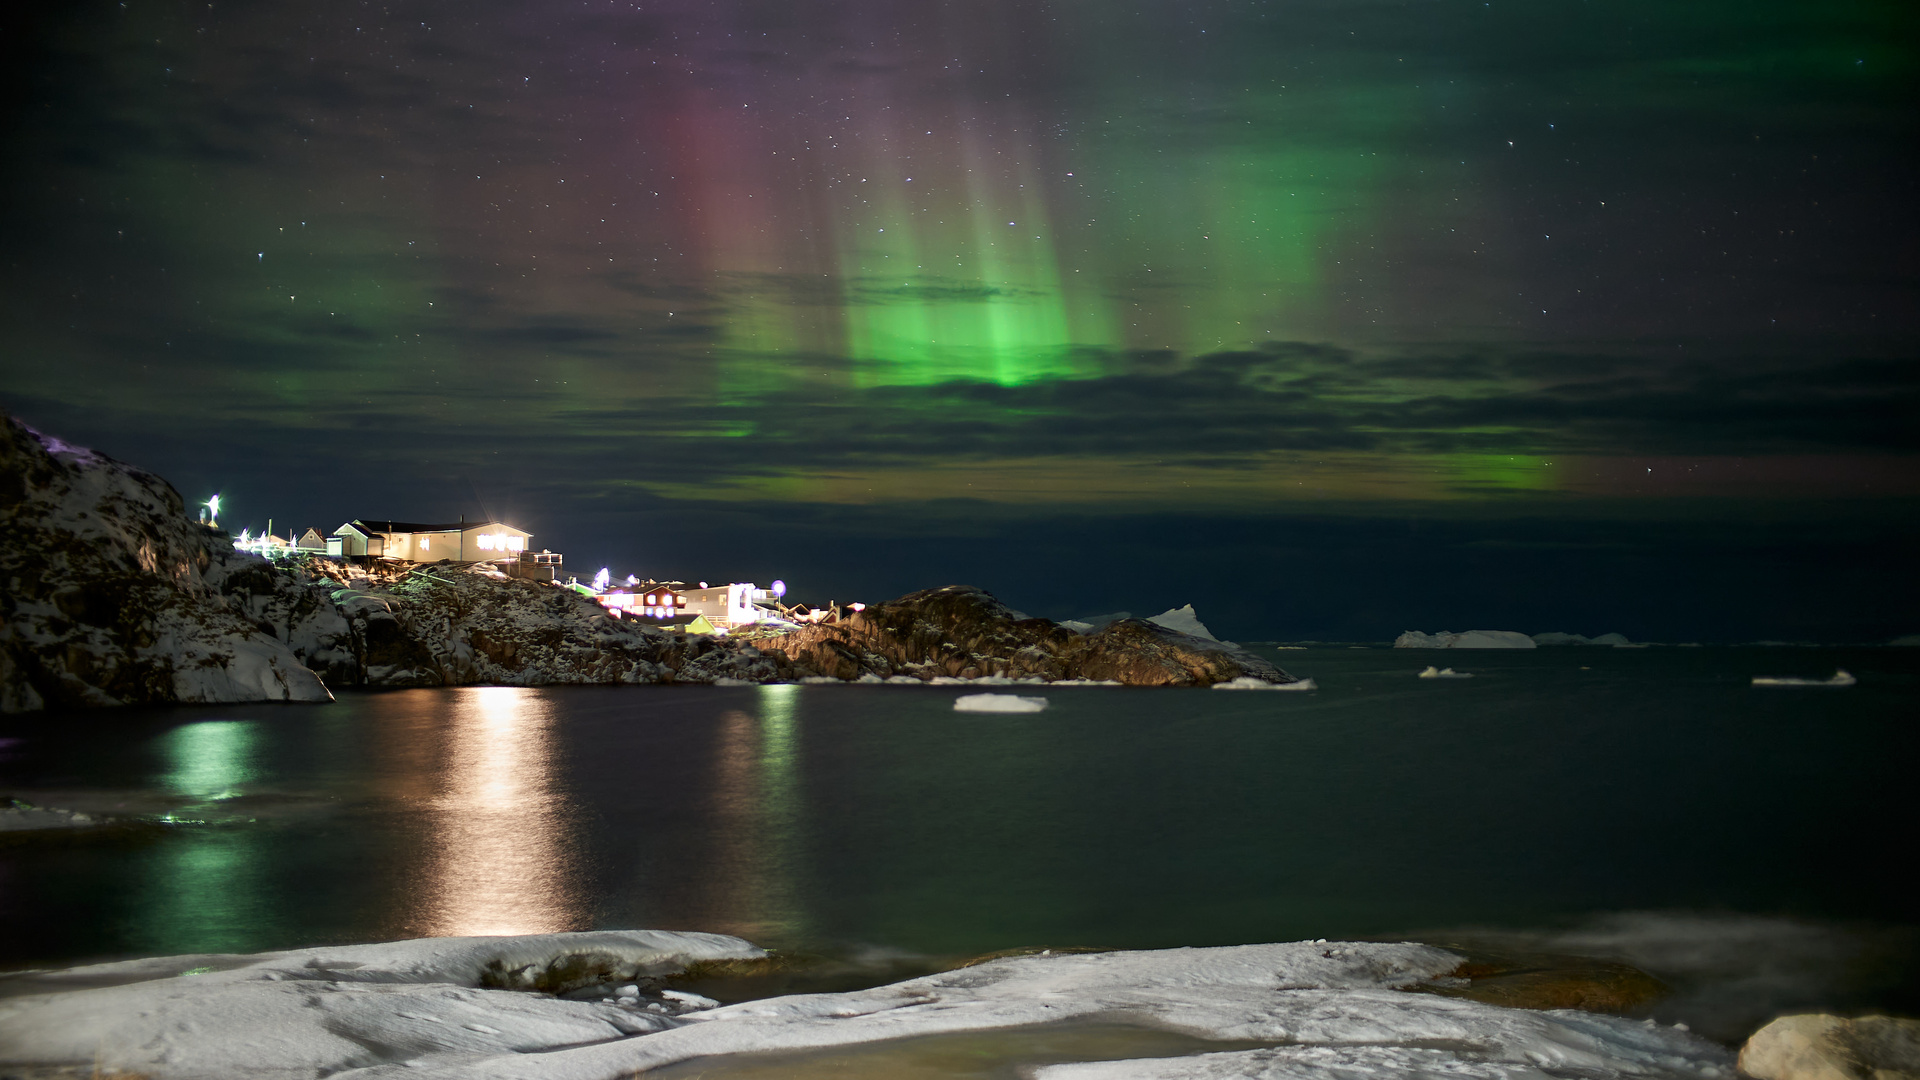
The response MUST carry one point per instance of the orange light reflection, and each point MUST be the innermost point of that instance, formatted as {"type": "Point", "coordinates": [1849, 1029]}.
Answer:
{"type": "Point", "coordinates": [502, 857]}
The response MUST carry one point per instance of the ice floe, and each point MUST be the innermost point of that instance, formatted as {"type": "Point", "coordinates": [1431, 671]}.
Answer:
{"type": "Point", "coordinates": [1841, 677]}
{"type": "Point", "coordinates": [1431, 672]}
{"type": "Point", "coordinates": [999, 703]}
{"type": "Point", "coordinates": [1248, 682]}
{"type": "Point", "coordinates": [417, 1009]}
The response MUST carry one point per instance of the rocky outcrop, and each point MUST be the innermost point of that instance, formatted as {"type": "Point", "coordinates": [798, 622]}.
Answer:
{"type": "Point", "coordinates": [1817, 1046]}
{"type": "Point", "coordinates": [112, 593]}
{"type": "Point", "coordinates": [963, 632]}
{"type": "Point", "coordinates": [450, 625]}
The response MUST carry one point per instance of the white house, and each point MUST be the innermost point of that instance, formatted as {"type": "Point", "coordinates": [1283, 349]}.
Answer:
{"type": "Point", "coordinates": [462, 541]}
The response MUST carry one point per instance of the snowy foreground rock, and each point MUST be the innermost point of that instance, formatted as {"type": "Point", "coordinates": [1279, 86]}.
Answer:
{"type": "Point", "coordinates": [418, 1009]}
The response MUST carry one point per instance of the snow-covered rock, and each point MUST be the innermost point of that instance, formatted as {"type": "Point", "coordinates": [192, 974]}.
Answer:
{"type": "Point", "coordinates": [114, 595]}
{"type": "Point", "coordinates": [418, 1010]}
{"type": "Point", "coordinates": [1468, 639]}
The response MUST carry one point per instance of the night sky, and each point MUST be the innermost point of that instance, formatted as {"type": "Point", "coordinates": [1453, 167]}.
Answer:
{"type": "Point", "coordinates": [1332, 317]}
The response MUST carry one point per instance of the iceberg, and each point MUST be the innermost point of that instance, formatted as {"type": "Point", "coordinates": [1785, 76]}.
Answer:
{"type": "Point", "coordinates": [999, 703]}
{"type": "Point", "coordinates": [1432, 672]}
{"type": "Point", "coordinates": [1466, 639]}
{"type": "Point", "coordinates": [1841, 677]}
{"type": "Point", "coordinates": [1185, 620]}
{"type": "Point", "coordinates": [425, 1010]}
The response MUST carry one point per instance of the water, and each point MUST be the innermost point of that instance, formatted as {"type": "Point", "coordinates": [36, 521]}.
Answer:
{"type": "Point", "coordinates": [1551, 792]}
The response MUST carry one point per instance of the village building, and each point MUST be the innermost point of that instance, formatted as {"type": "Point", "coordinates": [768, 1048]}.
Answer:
{"type": "Point", "coordinates": [461, 541]}
{"type": "Point", "coordinates": [311, 540]}
{"type": "Point", "coordinates": [738, 604]}
{"type": "Point", "coordinates": [653, 600]}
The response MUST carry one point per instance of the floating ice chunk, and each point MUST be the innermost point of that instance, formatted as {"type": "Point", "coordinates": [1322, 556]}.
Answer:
{"type": "Point", "coordinates": [1432, 672]}
{"type": "Point", "coordinates": [1841, 677]}
{"type": "Point", "coordinates": [1466, 639]}
{"type": "Point", "coordinates": [999, 703]}
{"type": "Point", "coordinates": [689, 1001]}
{"type": "Point", "coordinates": [1185, 620]}
{"type": "Point", "coordinates": [1248, 682]}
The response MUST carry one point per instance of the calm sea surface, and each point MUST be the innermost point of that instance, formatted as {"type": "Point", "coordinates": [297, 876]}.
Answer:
{"type": "Point", "coordinates": [1558, 785]}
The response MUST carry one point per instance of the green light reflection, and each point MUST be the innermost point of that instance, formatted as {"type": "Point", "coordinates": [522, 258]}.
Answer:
{"type": "Point", "coordinates": [210, 759]}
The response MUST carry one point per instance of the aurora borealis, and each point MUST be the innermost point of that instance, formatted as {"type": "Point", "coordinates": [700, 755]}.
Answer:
{"type": "Point", "coordinates": [1495, 313]}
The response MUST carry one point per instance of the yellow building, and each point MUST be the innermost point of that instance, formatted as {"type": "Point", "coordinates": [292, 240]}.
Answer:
{"type": "Point", "coordinates": [461, 541]}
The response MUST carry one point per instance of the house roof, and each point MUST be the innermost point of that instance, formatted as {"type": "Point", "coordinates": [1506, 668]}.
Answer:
{"type": "Point", "coordinates": [370, 526]}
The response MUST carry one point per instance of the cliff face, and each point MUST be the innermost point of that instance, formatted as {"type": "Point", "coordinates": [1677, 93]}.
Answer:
{"type": "Point", "coordinates": [113, 594]}
{"type": "Point", "coordinates": [963, 632]}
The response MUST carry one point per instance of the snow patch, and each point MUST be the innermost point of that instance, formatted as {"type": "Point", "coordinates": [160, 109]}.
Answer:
{"type": "Point", "coordinates": [1335, 1010]}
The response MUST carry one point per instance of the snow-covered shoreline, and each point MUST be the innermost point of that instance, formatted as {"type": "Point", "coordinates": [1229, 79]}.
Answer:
{"type": "Point", "coordinates": [430, 1007]}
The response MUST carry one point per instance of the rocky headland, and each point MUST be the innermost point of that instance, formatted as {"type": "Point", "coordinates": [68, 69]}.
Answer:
{"type": "Point", "coordinates": [963, 632]}
{"type": "Point", "coordinates": [115, 595]}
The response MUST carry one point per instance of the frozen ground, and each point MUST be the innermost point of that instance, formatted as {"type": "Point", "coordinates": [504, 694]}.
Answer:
{"type": "Point", "coordinates": [417, 1009]}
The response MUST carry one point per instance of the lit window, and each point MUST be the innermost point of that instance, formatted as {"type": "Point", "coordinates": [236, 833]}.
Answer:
{"type": "Point", "coordinates": [423, 543]}
{"type": "Point", "coordinates": [680, 601]}
{"type": "Point", "coordinates": [486, 542]}
{"type": "Point", "coordinates": [650, 599]}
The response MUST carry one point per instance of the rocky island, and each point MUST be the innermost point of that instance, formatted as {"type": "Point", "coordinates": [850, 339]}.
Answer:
{"type": "Point", "coordinates": [115, 595]}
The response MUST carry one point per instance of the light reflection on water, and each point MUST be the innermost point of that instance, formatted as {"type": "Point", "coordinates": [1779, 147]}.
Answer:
{"type": "Point", "coordinates": [209, 890]}
{"type": "Point", "coordinates": [757, 801]}
{"type": "Point", "coordinates": [211, 759]}
{"type": "Point", "coordinates": [501, 856]}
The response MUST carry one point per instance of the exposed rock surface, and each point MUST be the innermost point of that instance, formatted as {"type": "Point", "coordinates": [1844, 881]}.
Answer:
{"type": "Point", "coordinates": [963, 632]}
{"type": "Point", "coordinates": [1817, 1046]}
